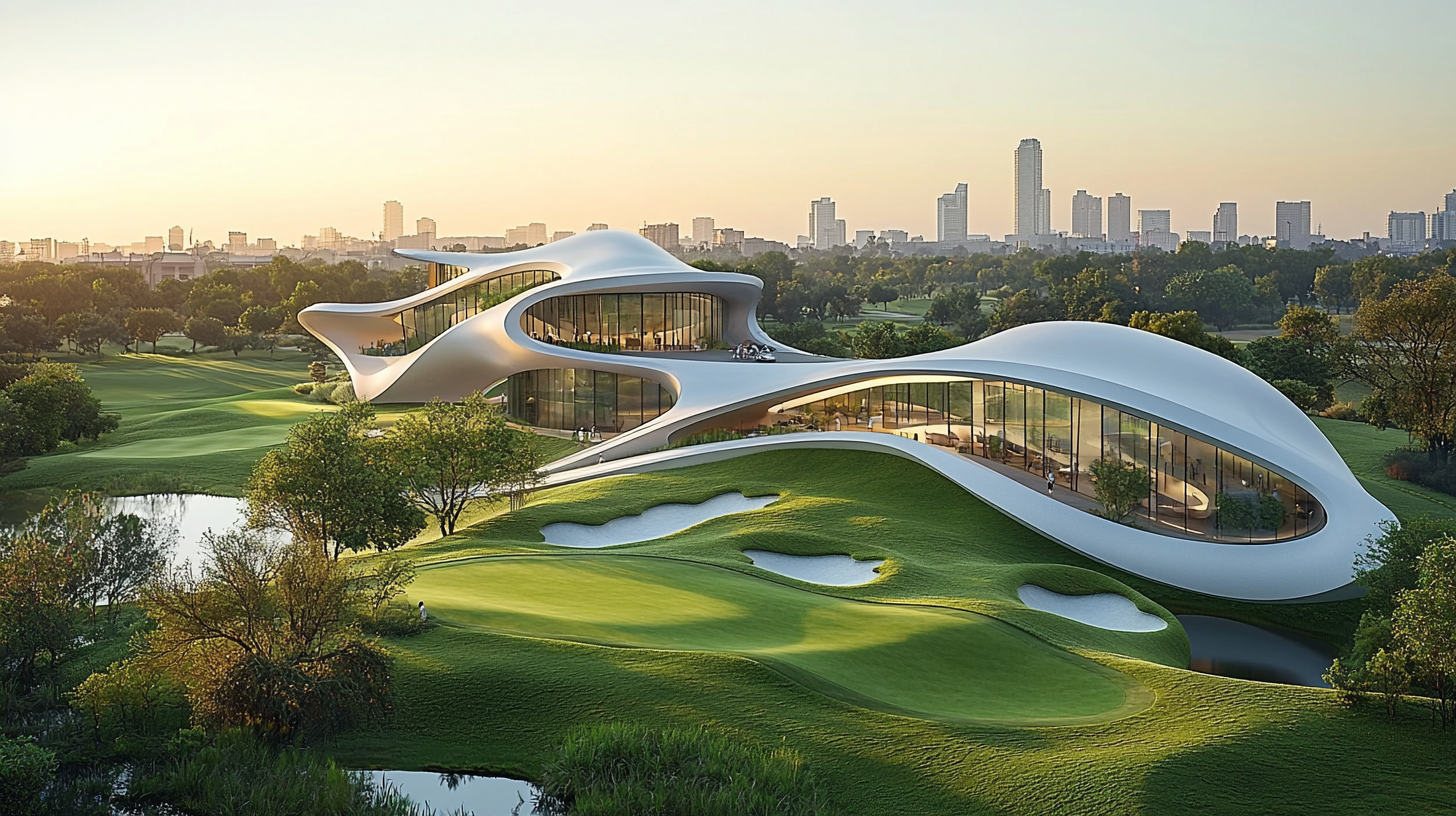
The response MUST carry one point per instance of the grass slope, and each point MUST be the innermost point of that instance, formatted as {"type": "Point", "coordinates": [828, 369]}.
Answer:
{"type": "Point", "coordinates": [474, 696]}
{"type": "Point", "coordinates": [924, 661]}
{"type": "Point", "coordinates": [1364, 448]}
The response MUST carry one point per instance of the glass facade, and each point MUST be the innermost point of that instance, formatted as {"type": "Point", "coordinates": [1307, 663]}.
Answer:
{"type": "Point", "coordinates": [654, 321]}
{"type": "Point", "coordinates": [568, 399]}
{"type": "Point", "coordinates": [440, 273]}
{"type": "Point", "coordinates": [423, 323]}
{"type": "Point", "coordinates": [1197, 489]}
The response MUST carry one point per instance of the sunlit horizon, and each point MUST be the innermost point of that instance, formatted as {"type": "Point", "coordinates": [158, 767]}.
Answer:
{"type": "Point", "coordinates": [283, 118]}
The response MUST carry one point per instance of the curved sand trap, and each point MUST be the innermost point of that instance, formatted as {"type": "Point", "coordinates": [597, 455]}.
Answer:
{"type": "Point", "coordinates": [829, 570]}
{"type": "Point", "coordinates": [656, 522]}
{"type": "Point", "coordinates": [1105, 610]}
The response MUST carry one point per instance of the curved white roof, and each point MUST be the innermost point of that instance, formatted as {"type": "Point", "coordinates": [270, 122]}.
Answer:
{"type": "Point", "coordinates": [1161, 379]}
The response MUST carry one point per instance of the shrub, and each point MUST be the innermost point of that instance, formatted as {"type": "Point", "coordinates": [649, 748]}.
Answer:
{"type": "Point", "coordinates": [621, 769]}
{"type": "Point", "coordinates": [1342, 410]}
{"type": "Point", "coordinates": [303, 388]}
{"type": "Point", "coordinates": [1257, 512]}
{"type": "Point", "coordinates": [1302, 394]}
{"type": "Point", "coordinates": [1410, 465]}
{"type": "Point", "coordinates": [236, 773]}
{"type": "Point", "coordinates": [25, 771]}
{"type": "Point", "coordinates": [342, 394]}
{"type": "Point", "coordinates": [322, 391]}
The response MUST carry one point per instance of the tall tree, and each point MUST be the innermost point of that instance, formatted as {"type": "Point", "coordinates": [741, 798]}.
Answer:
{"type": "Point", "coordinates": [209, 331]}
{"type": "Point", "coordinates": [148, 325]}
{"type": "Point", "coordinates": [452, 454]}
{"type": "Point", "coordinates": [330, 485]}
{"type": "Point", "coordinates": [1404, 349]}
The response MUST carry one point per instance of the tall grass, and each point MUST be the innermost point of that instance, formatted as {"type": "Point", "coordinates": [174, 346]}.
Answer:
{"type": "Point", "coordinates": [236, 774]}
{"type": "Point", "coordinates": [620, 770]}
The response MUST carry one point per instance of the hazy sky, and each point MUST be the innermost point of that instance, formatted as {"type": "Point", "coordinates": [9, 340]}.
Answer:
{"type": "Point", "coordinates": [124, 117]}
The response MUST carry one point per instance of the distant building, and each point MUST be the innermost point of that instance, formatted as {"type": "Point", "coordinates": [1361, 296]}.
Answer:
{"type": "Point", "coordinates": [328, 238]}
{"type": "Point", "coordinates": [267, 245]}
{"type": "Point", "coordinates": [1292, 224]}
{"type": "Point", "coordinates": [1406, 231]}
{"type": "Point", "coordinates": [532, 234]}
{"type": "Point", "coordinates": [473, 243]}
{"type": "Point", "coordinates": [1028, 189]}
{"type": "Point", "coordinates": [1226, 223]}
{"type": "Point", "coordinates": [950, 216]}
{"type": "Point", "coordinates": [237, 241]}
{"type": "Point", "coordinates": [175, 239]}
{"type": "Point", "coordinates": [393, 221]}
{"type": "Point", "coordinates": [758, 246]}
{"type": "Point", "coordinates": [38, 249]}
{"type": "Point", "coordinates": [666, 236]}
{"type": "Point", "coordinates": [7, 252]}
{"type": "Point", "coordinates": [1201, 236]}
{"type": "Point", "coordinates": [1443, 223]}
{"type": "Point", "coordinates": [1086, 215]}
{"type": "Point", "coordinates": [427, 226]}
{"type": "Point", "coordinates": [703, 227]}
{"type": "Point", "coordinates": [1149, 220]}
{"type": "Point", "coordinates": [825, 231]}
{"type": "Point", "coordinates": [728, 238]}
{"type": "Point", "coordinates": [895, 236]}
{"type": "Point", "coordinates": [596, 226]}
{"type": "Point", "coordinates": [559, 234]}
{"type": "Point", "coordinates": [862, 237]}
{"type": "Point", "coordinates": [66, 250]}
{"type": "Point", "coordinates": [155, 243]}
{"type": "Point", "coordinates": [1119, 218]}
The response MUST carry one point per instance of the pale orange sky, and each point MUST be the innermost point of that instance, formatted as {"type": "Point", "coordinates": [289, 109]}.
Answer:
{"type": "Point", "coordinates": [128, 116]}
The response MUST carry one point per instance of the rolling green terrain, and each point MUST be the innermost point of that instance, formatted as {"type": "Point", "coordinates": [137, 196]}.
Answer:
{"type": "Point", "coordinates": [532, 641]}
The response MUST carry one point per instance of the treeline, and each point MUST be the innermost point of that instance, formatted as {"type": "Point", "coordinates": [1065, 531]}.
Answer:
{"type": "Point", "coordinates": [44, 305]}
{"type": "Point", "coordinates": [1226, 287]}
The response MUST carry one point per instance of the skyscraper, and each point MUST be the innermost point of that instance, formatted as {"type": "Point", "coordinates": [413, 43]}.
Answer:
{"type": "Point", "coordinates": [237, 241]}
{"type": "Point", "coordinates": [825, 231]}
{"type": "Point", "coordinates": [1226, 223]}
{"type": "Point", "coordinates": [174, 239]}
{"type": "Point", "coordinates": [1155, 220]}
{"type": "Point", "coordinates": [1086, 215]}
{"type": "Point", "coordinates": [393, 221]}
{"type": "Point", "coordinates": [1044, 213]}
{"type": "Point", "coordinates": [950, 216]}
{"type": "Point", "coordinates": [1407, 231]}
{"type": "Point", "coordinates": [1119, 218]}
{"type": "Point", "coordinates": [703, 231]}
{"type": "Point", "coordinates": [1028, 187]}
{"type": "Point", "coordinates": [1291, 224]}
{"type": "Point", "coordinates": [1443, 223]}
{"type": "Point", "coordinates": [426, 226]}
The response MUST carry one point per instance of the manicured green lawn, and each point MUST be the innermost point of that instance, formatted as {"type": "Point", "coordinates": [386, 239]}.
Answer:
{"type": "Point", "coordinates": [924, 661]}
{"type": "Point", "coordinates": [189, 424]}
{"type": "Point", "coordinates": [533, 641]}
{"type": "Point", "coordinates": [1363, 448]}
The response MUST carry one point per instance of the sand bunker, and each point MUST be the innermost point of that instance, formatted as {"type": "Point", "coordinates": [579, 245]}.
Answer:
{"type": "Point", "coordinates": [1105, 610]}
{"type": "Point", "coordinates": [830, 570]}
{"type": "Point", "coordinates": [657, 522]}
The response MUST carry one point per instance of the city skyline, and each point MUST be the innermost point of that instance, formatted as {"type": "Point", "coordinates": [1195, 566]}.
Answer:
{"type": "Point", "coordinates": [291, 164]}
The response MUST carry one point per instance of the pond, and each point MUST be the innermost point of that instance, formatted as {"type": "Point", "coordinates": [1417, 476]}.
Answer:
{"type": "Point", "coordinates": [193, 516]}
{"type": "Point", "coordinates": [1233, 649]}
{"type": "Point", "coordinates": [450, 793]}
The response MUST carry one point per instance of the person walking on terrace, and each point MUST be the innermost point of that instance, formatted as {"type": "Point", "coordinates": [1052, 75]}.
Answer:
{"type": "Point", "coordinates": [1051, 480]}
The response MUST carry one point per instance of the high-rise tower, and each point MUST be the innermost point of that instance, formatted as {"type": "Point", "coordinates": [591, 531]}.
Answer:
{"type": "Point", "coordinates": [825, 231]}
{"type": "Point", "coordinates": [1226, 223]}
{"type": "Point", "coordinates": [1119, 218]}
{"type": "Point", "coordinates": [1028, 187]}
{"type": "Point", "coordinates": [950, 215]}
{"type": "Point", "coordinates": [1086, 215]}
{"type": "Point", "coordinates": [393, 221]}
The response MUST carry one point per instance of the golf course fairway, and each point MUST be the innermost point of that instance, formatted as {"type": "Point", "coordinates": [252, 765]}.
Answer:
{"type": "Point", "coordinates": [921, 661]}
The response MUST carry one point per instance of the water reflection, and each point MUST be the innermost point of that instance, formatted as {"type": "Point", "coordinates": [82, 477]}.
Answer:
{"type": "Point", "coordinates": [456, 793]}
{"type": "Point", "coordinates": [1232, 649]}
{"type": "Point", "coordinates": [193, 516]}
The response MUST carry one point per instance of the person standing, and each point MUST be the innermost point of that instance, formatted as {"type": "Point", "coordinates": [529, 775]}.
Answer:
{"type": "Point", "coordinates": [1051, 480]}
{"type": "Point", "coordinates": [424, 615]}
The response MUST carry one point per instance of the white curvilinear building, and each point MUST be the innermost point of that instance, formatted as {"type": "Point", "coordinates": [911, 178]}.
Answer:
{"type": "Point", "coordinates": [608, 333]}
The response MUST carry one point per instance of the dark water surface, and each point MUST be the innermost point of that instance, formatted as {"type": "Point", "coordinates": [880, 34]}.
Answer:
{"type": "Point", "coordinates": [1232, 649]}
{"type": "Point", "coordinates": [450, 793]}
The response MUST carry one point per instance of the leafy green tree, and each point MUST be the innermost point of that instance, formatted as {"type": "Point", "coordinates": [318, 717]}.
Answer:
{"type": "Point", "coordinates": [1120, 486]}
{"type": "Point", "coordinates": [29, 333]}
{"type": "Point", "coordinates": [1223, 296]}
{"type": "Point", "coordinates": [960, 309]}
{"type": "Point", "coordinates": [879, 293]}
{"type": "Point", "coordinates": [235, 339]}
{"type": "Point", "coordinates": [1289, 359]}
{"type": "Point", "coordinates": [1404, 349]}
{"type": "Point", "coordinates": [923, 338]}
{"type": "Point", "coordinates": [26, 770]}
{"type": "Point", "coordinates": [95, 330]}
{"type": "Point", "coordinates": [128, 551]}
{"type": "Point", "coordinates": [1301, 393]}
{"type": "Point", "coordinates": [50, 404]}
{"type": "Point", "coordinates": [148, 325]}
{"type": "Point", "coordinates": [266, 637]}
{"type": "Point", "coordinates": [1185, 327]}
{"type": "Point", "coordinates": [1334, 286]}
{"type": "Point", "coordinates": [209, 331]}
{"type": "Point", "coordinates": [1424, 629]}
{"type": "Point", "coordinates": [264, 322]}
{"type": "Point", "coordinates": [811, 336]}
{"type": "Point", "coordinates": [878, 340]}
{"type": "Point", "coordinates": [1023, 308]}
{"type": "Point", "coordinates": [452, 454]}
{"type": "Point", "coordinates": [331, 485]}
